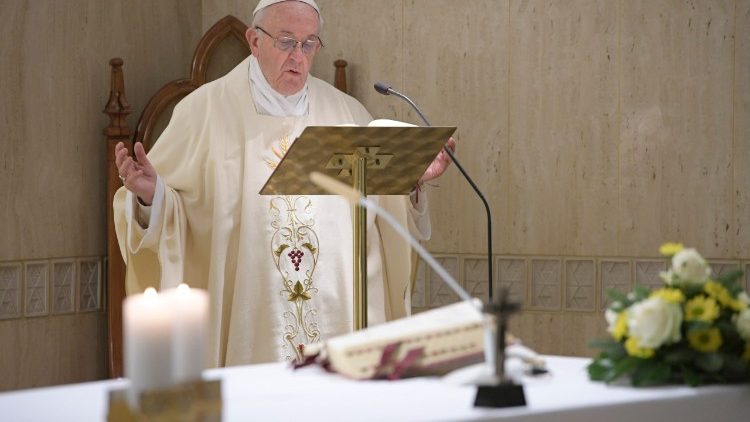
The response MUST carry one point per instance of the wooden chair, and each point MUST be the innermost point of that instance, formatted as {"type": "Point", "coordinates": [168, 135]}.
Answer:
{"type": "Point", "coordinates": [228, 34]}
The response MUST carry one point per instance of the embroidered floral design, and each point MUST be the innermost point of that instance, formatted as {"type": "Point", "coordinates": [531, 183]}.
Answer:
{"type": "Point", "coordinates": [294, 249]}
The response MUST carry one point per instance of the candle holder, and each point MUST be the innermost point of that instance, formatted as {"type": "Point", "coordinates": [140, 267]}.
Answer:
{"type": "Point", "coordinates": [504, 392]}
{"type": "Point", "coordinates": [198, 401]}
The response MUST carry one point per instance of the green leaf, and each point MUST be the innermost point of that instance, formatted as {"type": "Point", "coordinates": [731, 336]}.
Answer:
{"type": "Point", "coordinates": [690, 290]}
{"type": "Point", "coordinates": [651, 372]}
{"type": "Point", "coordinates": [725, 325]}
{"type": "Point", "coordinates": [617, 296]}
{"type": "Point", "coordinates": [611, 348]}
{"type": "Point", "coordinates": [622, 367]}
{"type": "Point", "coordinates": [735, 367]}
{"type": "Point", "coordinates": [729, 279]}
{"type": "Point", "coordinates": [679, 356]}
{"type": "Point", "coordinates": [641, 292]}
{"type": "Point", "coordinates": [697, 326]}
{"type": "Point", "coordinates": [690, 377]}
{"type": "Point", "coordinates": [598, 369]}
{"type": "Point", "coordinates": [710, 362]}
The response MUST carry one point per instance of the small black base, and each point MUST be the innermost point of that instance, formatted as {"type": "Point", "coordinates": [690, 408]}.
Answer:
{"type": "Point", "coordinates": [505, 394]}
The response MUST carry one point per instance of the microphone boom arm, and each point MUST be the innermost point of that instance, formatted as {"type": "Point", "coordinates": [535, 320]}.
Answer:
{"type": "Point", "coordinates": [387, 90]}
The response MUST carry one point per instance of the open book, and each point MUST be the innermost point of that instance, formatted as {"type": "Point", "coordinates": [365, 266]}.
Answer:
{"type": "Point", "coordinates": [382, 123]}
{"type": "Point", "coordinates": [430, 343]}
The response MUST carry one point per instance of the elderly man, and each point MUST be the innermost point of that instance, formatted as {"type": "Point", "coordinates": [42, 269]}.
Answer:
{"type": "Point", "coordinates": [278, 268]}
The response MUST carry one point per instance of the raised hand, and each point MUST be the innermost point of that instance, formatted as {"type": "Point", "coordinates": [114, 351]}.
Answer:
{"type": "Point", "coordinates": [440, 163]}
{"type": "Point", "coordinates": [139, 176]}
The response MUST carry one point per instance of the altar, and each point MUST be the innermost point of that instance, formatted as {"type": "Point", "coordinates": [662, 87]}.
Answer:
{"type": "Point", "coordinates": [274, 392]}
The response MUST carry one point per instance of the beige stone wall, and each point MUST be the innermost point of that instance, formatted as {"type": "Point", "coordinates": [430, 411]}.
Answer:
{"type": "Point", "coordinates": [54, 82]}
{"type": "Point", "coordinates": [597, 129]}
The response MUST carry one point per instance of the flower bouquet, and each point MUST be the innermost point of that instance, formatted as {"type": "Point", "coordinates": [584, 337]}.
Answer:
{"type": "Point", "coordinates": [694, 330]}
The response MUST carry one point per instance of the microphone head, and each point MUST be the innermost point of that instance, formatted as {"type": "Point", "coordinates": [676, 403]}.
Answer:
{"type": "Point", "coordinates": [382, 88]}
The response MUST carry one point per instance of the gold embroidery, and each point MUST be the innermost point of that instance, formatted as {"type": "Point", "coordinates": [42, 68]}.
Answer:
{"type": "Point", "coordinates": [279, 152]}
{"type": "Point", "coordinates": [294, 249]}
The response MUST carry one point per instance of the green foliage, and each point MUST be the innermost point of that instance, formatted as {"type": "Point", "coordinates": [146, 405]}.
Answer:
{"type": "Point", "coordinates": [695, 358]}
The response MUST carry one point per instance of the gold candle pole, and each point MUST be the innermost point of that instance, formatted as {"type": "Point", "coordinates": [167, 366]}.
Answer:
{"type": "Point", "coordinates": [359, 173]}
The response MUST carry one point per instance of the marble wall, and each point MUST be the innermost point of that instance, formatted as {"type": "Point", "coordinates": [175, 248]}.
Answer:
{"type": "Point", "coordinates": [54, 82]}
{"type": "Point", "coordinates": [597, 129]}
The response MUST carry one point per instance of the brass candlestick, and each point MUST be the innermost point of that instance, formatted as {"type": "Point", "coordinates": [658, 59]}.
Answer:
{"type": "Point", "coordinates": [198, 401]}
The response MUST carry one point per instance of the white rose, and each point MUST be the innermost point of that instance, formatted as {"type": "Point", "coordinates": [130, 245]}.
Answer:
{"type": "Point", "coordinates": [744, 298]}
{"type": "Point", "coordinates": [743, 324]}
{"type": "Point", "coordinates": [654, 322]}
{"type": "Point", "coordinates": [690, 267]}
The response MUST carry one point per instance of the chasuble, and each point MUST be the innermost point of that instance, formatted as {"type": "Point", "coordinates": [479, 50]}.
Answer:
{"type": "Point", "coordinates": [278, 269]}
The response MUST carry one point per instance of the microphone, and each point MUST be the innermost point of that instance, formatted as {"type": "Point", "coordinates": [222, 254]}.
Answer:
{"type": "Point", "coordinates": [385, 89]}
{"type": "Point", "coordinates": [382, 88]}
{"type": "Point", "coordinates": [388, 90]}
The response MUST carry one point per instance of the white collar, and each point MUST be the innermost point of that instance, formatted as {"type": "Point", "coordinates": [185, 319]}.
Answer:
{"type": "Point", "coordinates": [269, 102]}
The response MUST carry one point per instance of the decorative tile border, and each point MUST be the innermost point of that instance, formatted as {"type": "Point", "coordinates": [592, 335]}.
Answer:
{"type": "Point", "coordinates": [105, 283]}
{"type": "Point", "coordinates": [722, 267]}
{"type": "Point", "coordinates": [647, 272]}
{"type": "Point", "coordinates": [11, 275]}
{"type": "Point", "coordinates": [50, 287]}
{"type": "Point", "coordinates": [89, 284]}
{"type": "Point", "coordinates": [63, 286]}
{"type": "Point", "coordinates": [36, 288]}
{"type": "Point", "coordinates": [546, 284]}
{"type": "Point", "coordinates": [614, 275]}
{"type": "Point", "coordinates": [475, 277]}
{"type": "Point", "coordinates": [580, 284]}
{"type": "Point", "coordinates": [556, 283]}
{"type": "Point", "coordinates": [439, 293]}
{"type": "Point", "coordinates": [511, 273]}
{"type": "Point", "coordinates": [419, 291]}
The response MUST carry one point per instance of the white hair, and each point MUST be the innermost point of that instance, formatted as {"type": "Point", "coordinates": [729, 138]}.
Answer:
{"type": "Point", "coordinates": [260, 14]}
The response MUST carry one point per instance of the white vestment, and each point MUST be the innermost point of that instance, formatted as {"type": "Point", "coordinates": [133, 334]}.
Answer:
{"type": "Point", "coordinates": [278, 268]}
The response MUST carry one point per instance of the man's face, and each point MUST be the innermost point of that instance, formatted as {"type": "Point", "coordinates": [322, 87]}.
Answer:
{"type": "Point", "coordinates": [285, 71]}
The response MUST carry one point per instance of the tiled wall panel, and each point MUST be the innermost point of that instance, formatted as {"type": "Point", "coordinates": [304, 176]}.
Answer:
{"type": "Point", "coordinates": [11, 280]}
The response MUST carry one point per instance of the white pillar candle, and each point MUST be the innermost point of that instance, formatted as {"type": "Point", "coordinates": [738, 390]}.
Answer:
{"type": "Point", "coordinates": [147, 328]}
{"type": "Point", "coordinates": [189, 308]}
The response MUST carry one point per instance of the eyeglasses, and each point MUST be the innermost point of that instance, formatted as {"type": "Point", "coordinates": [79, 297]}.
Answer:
{"type": "Point", "coordinates": [308, 46]}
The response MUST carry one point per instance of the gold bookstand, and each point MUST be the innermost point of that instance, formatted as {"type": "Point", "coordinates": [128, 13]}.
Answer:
{"type": "Point", "coordinates": [374, 160]}
{"type": "Point", "coordinates": [198, 401]}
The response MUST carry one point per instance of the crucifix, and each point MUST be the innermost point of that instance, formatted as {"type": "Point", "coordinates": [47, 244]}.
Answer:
{"type": "Point", "coordinates": [505, 392]}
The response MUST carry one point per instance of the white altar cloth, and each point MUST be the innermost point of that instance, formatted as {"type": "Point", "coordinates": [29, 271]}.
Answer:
{"type": "Point", "coordinates": [275, 392]}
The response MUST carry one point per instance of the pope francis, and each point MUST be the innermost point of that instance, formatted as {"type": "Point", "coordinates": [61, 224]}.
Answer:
{"type": "Point", "coordinates": [278, 269]}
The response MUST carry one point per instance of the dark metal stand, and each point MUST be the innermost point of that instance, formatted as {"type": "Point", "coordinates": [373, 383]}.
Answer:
{"type": "Point", "coordinates": [505, 393]}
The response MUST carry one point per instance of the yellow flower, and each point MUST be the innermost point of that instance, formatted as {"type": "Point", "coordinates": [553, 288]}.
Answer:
{"type": "Point", "coordinates": [701, 308]}
{"type": "Point", "coordinates": [669, 295]}
{"type": "Point", "coordinates": [620, 328]}
{"type": "Point", "coordinates": [737, 305]}
{"type": "Point", "coordinates": [633, 347]}
{"type": "Point", "coordinates": [746, 355]}
{"type": "Point", "coordinates": [669, 248]}
{"type": "Point", "coordinates": [705, 341]}
{"type": "Point", "coordinates": [719, 292]}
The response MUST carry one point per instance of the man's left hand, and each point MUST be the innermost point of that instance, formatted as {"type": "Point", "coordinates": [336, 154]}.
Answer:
{"type": "Point", "coordinates": [440, 163]}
